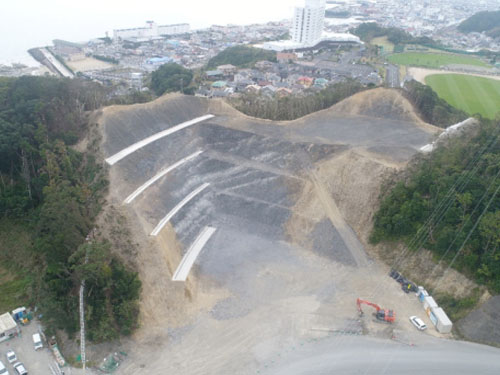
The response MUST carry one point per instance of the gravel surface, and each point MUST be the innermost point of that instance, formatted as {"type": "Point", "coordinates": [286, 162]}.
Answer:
{"type": "Point", "coordinates": [254, 288]}
{"type": "Point", "coordinates": [482, 324]}
{"type": "Point", "coordinates": [35, 362]}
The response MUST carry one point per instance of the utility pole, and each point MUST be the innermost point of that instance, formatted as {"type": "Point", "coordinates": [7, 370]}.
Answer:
{"type": "Point", "coordinates": [82, 307]}
{"type": "Point", "coordinates": [82, 323]}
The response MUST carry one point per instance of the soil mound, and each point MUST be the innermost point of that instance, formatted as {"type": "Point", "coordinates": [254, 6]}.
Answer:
{"type": "Point", "coordinates": [381, 103]}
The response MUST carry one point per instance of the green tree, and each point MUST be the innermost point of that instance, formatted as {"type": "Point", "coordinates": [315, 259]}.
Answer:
{"type": "Point", "coordinates": [54, 193]}
{"type": "Point", "coordinates": [171, 77]}
{"type": "Point", "coordinates": [431, 107]}
{"type": "Point", "coordinates": [112, 291]}
{"type": "Point", "coordinates": [241, 56]}
{"type": "Point", "coordinates": [481, 21]}
{"type": "Point", "coordinates": [460, 176]}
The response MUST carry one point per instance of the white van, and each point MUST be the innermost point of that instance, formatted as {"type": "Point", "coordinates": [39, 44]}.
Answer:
{"type": "Point", "coordinates": [20, 369]}
{"type": "Point", "coordinates": [37, 341]}
{"type": "Point", "coordinates": [3, 370]}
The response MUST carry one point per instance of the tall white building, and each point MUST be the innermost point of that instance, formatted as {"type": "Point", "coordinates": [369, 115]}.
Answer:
{"type": "Point", "coordinates": [151, 30]}
{"type": "Point", "coordinates": [308, 22]}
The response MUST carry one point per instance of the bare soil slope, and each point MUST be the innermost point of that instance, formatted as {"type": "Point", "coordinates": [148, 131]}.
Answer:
{"type": "Point", "coordinates": [381, 103]}
{"type": "Point", "coordinates": [292, 204]}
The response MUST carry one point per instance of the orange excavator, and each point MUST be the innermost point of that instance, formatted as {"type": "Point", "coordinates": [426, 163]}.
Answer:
{"type": "Point", "coordinates": [384, 315]}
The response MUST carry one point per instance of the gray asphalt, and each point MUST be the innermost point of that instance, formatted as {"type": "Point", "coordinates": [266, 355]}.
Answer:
{"type": "Point", "coordinates": [364, 355]}
{"type": "Point", "coordinates": [392, 77]}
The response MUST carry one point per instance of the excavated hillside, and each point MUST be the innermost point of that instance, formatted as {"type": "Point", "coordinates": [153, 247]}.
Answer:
{"type": "Point", "coordinates": [273, 217]}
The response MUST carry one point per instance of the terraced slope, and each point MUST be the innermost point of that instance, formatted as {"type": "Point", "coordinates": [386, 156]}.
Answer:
{"type": "Point", "coordinates": [265, 222]}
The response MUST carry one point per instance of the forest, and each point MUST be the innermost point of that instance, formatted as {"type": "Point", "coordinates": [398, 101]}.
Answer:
{"type": "Point", "coordinates": [368, 31]}
{"type": "Point", "coordinates": [171, 77]}
{"type": "Point", "coordinates": [293, 107]}
{"type": "Point", "coordinates": [486, 21]}
{"type": "Point", "coordinates": [449, 203]}
{"type": "Point", "coordinates": [50, 195]}
{"type": "Point", "coordinates": [241, 56]}
{"type": "Point", "coordinates": [430, 106]}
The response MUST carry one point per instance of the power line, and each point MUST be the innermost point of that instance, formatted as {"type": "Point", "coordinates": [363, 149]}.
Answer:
{"type": "Point", "coordinates": [477, 221]}
{"type": "Point", "coordinates": [445, 203]}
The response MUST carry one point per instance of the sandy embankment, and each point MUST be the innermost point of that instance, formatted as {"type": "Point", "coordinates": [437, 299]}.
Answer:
{"type": "Point", "coordinates": [87, 64]}
{"type": "Point", "coordinates": [419, 74]}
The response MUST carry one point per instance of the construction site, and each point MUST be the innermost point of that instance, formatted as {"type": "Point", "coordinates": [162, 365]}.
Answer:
{"type": "Point", "coordinates": [250, 238]}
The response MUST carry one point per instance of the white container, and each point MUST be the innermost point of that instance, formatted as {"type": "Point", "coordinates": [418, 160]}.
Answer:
{"type": "Point", "coordinates": [429, 303]}
{"type": "Point", "coordinates": [443, 323]}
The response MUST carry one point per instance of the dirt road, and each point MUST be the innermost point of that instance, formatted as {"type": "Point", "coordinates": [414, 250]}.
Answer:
{"type": "Point", "coordinates": [283, 266]}
{"type": "Point", "coordinates": [419, 74]}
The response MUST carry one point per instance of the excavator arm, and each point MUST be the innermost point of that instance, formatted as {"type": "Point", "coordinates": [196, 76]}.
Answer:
{"type": "Point", "coordinates": [381, 314]}
{"type": "Point", "coordinates": [361, 301]}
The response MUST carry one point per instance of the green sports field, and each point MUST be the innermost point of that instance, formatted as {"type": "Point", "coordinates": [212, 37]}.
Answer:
{"type": "Point", "coordinates": [434, 60]}
{"type": "Point", "coordinates": [469, 93]}
{"type": "Point", "coordinates": [383, 42]}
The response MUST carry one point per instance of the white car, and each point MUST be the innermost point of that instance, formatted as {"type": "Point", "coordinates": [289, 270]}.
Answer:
{"type": "Point", "coordinates": [11, 356]}
{"type": "Point", "coordinates": [3, 369]}
{"type": "Point", "coordinates": [37, 341]}
{"type": "Point", "coordinates": [417, 322]}
{"type": "Point", "coordinates": [19, 367]}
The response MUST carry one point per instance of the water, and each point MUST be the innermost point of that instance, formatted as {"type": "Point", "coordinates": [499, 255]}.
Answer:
{"type": "Point", "coordinates": [33, 23]}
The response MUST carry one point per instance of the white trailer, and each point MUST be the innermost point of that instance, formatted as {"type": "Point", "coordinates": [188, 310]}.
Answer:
{"type": "Point", "coordinates": [429, 303]}
{"type": "Point", "coordinates": [440, 320]}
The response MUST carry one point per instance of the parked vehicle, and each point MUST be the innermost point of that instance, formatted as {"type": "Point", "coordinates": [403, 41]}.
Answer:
{"type": "Point", "coordinates": [37, 341]}
{"type": "Point", "coordinates": [394, 274]}
{"type": "Point", "coordinates": [3, 369]}
{"type": "Point", "coordinates": [11, 356]}
{"type": "Point", "coordinates": [20, 369]}
{"type": "Point", "coordinates": [417, 322]}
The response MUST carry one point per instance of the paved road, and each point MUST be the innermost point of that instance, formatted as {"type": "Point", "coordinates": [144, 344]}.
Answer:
{"type": "Point", "coordinates": [36, 362]}
{"type": "Point", "coordinates": [364, 355]}
{"type": "Point", "coordinates": [392, 76]}
{"type": "Point", "coordinates": [63, 71]}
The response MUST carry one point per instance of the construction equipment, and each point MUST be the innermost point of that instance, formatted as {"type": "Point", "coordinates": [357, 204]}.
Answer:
{"type": "Point", "coordinates": [383, 315]}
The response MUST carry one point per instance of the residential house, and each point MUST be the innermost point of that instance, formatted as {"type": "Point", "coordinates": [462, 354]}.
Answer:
{"type": "Point", "coordinates": [214, 75]}
{"type": "Point", "coordinates": [273, 78]}
{"type": "Point", "coordinates": [305, 81]}
{"type": "Point", "coordinates": [227, 69]}
{"type": "Point", "coordinates": [292, 78]}
{"type": "Point", "coordinates": [372, 78]}
{"type": "Point", "coordinates": [281, 92]}
{"type": "Point", "coordinates": [257, 76]}
{"type": "Point", "coordinates": [320, 82]}
{"type": "Point", "coordinates": [252, 89]}
{"type": "Point", "coordinates": [242, 75]}
{"type": "Point", "coordinates": [264, 83]}
{"type": "Point", "coordinates": [264, 65]}
{"type": "Point", "coordinates": [242, 84]}
{"type": "Point", "coordinates": [202, 92]}
{"type": "Point", "coordinates": [268, 90]}
{"type": "Point", "coordinates": [286, 57]}
{"type": "Point", "coordinates": [220, 93]}
{"type": "Point", "coordinates": [219, 85]}
{"type": "Point", "coordinates": [297, 89]}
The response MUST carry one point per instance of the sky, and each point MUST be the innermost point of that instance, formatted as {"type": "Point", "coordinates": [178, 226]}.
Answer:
{"type": "Point", "coordinates": [32, 23]}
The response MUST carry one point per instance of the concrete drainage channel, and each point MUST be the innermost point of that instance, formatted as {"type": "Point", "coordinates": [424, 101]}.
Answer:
{"type": "Point", "coordinates": [235, 167]}
{"type": "Point", "coordinates": [246, 216]}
